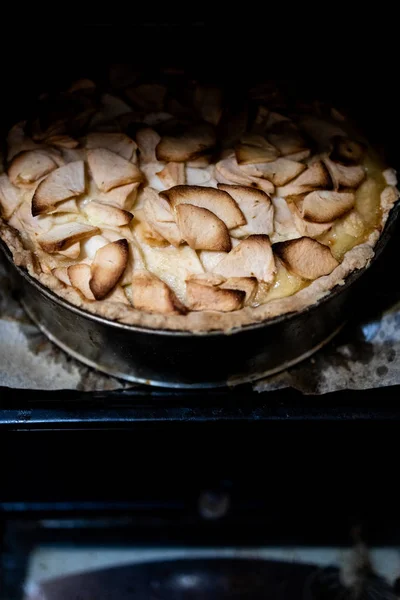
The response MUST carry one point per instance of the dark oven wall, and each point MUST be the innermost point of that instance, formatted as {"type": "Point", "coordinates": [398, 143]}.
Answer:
{"type": "Point", "coordinates": [347, 59]}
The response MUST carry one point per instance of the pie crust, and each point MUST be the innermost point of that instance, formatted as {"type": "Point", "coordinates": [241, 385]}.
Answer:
{"type": "Point", "coordinates": [170, 207]}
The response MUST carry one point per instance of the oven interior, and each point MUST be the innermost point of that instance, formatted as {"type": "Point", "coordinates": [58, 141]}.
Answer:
{"type": "Point", "coordinates": [137, 465]}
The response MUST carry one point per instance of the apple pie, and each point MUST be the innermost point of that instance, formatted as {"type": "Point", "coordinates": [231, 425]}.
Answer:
{"type": "Point", "coordinates": [174, 206]}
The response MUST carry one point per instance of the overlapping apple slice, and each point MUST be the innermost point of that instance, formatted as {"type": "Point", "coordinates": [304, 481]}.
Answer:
{"type": "Point", "coordinates": [208, 102]}
{"type": "Point", "coordinates": [344, 176]}
{"type": "Point", "coordinates": [172, 174]}
{"type": "Point", "coordinates": [196, 141]}
{"type": "Point", "coordinates": [62, 236]}
{"type": "Point", "coordinates": [80, 276]}
{"type": "Point", "coordinates": [248, 285]}
{"type": "Point", "coordinates": [100, 213]}
{"type": "Point", "coordinates": [147, 140]}
{"type": "Point", "coordinates": [325, 206]}
{"type": "Point", "coordinates": [123, 196]}
{"type": "Point", "coordinates": [286, 137]}
{"type": "Point", "coordinates": [256, 207]}
{"type": "Point", "coordinates": [10, 197]}
{"type": "Point", "coordinates": [108, 266]}
{"type": "Point", "coordinates": [151, 294]}
{"type": "Point", "coordinates": [228, 171]}
{"type": "Point", "coordinates": [217, 201]}
{"type": "Point", "coordinates": [203, 294]}
{"type": "Point", "coordinates": [109, 170]}
{"type": "Point", "coordinates": [62, 141]}
{"type": "Point", "coordinates": [119, 143]}
{"type": "Point", "coordinates": [62, 274]}
{"type": "Point", "coordinates": [72, 252]}
{"type": "Point", "coordinates": [306, 227]}
{"type": "Point", "coordinates": [202, 229]}
{"type": "Point", "coordinates": [279, 172]}
{"type": "Point", "coordinates": [314, 177]}
{"type": "Point", "coordinates": [30, 166]}
{"type": "Point", "coordinates": [67, 206]}
{"type": "Point", "coordinates": [159, 216]}
{"type": "Point", "coordinates": [252, 257]}
{"type": "Point", "coordinates": [255, 149]}
{"type": "Point", "coordinates": [307, 258]}
{"type": "Point", "coordinates": [61, 184]}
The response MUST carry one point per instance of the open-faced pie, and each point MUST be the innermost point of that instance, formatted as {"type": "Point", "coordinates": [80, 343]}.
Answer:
{"type": "Point", "coordinates": [171, 205]}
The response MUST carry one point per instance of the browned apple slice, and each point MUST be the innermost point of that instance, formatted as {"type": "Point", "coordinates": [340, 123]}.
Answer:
{"type": "Point", "coordinates": [208, 102]}
{"type": "Point", "coordinates": [147, 140]}
{"type": "Point", "coordinates": [198, 163]}
{"type": "Point", "coordinates": [63, 183]}
{"type": "Point", "coordinates": [287, 139]}
{"type": "Point", "coordinates": [72, 252]}
{"type": "Point", "coordinates": [324, 206]}
{"type": "Point", "coordinates": [62, 274]}
{"type": "Point", "coordinates": [307, 258]}
{"type": "Point", "coordinates": [197, 140]}
{"type": "Point", "coordinates": [299, 156]}
{"type": "Point", "coordinates": [200, 296]}
{"type": "Point", "coordinates": [216, 201]}
{"type": "Point", "coordinates": [172, 174]}
{"type": "Point", "coordinates": [202, 229]}
{"type": "Point", "coordinates": [148, 235]}
{"type": "Point", "coordinates": [346, 151]}
{"type": "Point", "coordinates": [98, 213]}
{"type": "Point", "coordinates": [279, 172]}
{"type": "Point", "coordinates": [151, 294]}
{"type": "Point", "coordinates": [62, 236]}
{"type": "Point", "coordinates": [207, 279]}
{"type": "Point", "coordinates": [27, 167]}
{"type": "Point", "coordinates": [10, 197]}
{"type": "Point", "coordinates": [228, 171]}
{"type": "Point", "coordinates": [256, 140]}
{"type": "Point", "coordinates": [255, 205]}
{"type": "Point", "coordinates": [260, 120]}
{"type": "Point", "coordinates": [159, 216]}
{"type": "Point", "coordinates": [147, 96]}
{"type": "Point", "coordinates": [79, 276]}
{"type": "Point", "coordinates": [250, 140]}
{"type": "Point", "coordinates": [284, 225]}
{"type": "Point", "coordinates": [108, 265]}
{"type": "Point", "coordinates": [62, 141]}
{"type": "Point", "coordinates": [248, 285]}
{"type": "Point", "coordinates": [320, 130]}
{"type": "Point", "coordinates": [82, 85]}
{"type": "Point", "coordinates": [252, 257]}
{"type": "Point", "coordinates": [263, 184]}
{"type": "Point", "coordinates": [118, 295]}
{"type": "Point", "coordinates": [123, 196]}
{"type": "Point", "coordinates": [345, 176]}
{"type": "Point", "coordinates": [247, 154]}
{"type": "Point", "coordinates": [109, 170]}
{"type": "Point", "coordinates": [18, 141]}
{"type": "Point", "coordinates": [305, 227]}
{"type": "Point", "coordinates": [314, 177]}
{"type": "Point", "coordinates": [67, 206]}
{"type": "Point", "coordinates": [119, 143]}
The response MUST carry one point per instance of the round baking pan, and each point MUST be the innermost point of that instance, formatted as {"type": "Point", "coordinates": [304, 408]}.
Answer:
{"type": "Point", "coordinates": [183, 359]}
